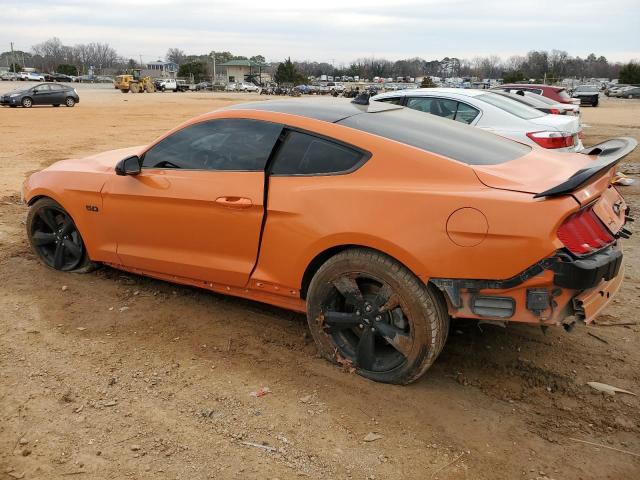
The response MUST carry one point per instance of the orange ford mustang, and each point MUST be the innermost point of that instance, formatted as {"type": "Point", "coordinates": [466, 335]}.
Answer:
{"type": "Point", "coordinates": [381, 223]}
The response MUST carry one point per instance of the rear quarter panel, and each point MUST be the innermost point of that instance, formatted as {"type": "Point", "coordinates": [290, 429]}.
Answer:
{"type": "Point", "coordinates": [399, 203]}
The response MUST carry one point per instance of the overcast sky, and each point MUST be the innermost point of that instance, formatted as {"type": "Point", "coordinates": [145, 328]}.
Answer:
{"type": "Point", "coordinates": [330, 30]}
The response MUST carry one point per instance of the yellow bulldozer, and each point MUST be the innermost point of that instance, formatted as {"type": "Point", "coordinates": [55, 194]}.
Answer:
{"type": "Point", "coordinates": [134, 82]}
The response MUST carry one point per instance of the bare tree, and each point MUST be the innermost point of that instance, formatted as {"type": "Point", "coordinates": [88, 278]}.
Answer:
{"type": "Point", "coordinates": [176, 55]}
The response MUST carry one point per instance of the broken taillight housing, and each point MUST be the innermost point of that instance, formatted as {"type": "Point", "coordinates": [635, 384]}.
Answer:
{"type": "Point", "coordinates": [548, 139]}
{"type": "Point", "coordinates": [583, 232]}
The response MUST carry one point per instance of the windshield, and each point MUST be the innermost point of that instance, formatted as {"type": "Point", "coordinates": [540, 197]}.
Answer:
{"type": "Point", "coordinates": [511, 106]}
{"type": "Point", "coordinates": [587, 88]}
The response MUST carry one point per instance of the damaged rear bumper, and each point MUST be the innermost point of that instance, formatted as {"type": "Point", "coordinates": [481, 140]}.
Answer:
{"type": "Point", "coordinates": [546, 293]}
{"type": "Point", "coordinates": [588, 304]}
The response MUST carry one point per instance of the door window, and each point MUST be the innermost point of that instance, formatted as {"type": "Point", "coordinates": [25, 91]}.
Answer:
{"type": "Point", "coordinates": [303, 154]}
{"type": "Point", "coordinates": [444, 107]}
{"type": "Point", "coordinates": [41, 89]}
{"type": "Point", "coordinates": [447, 108]}
{"type": "Point", "coordinates": [56, 88]}
{"type": "Point", "coordinates": [228, 144]}
{"type": "Point", "coordinates": [423, 104]}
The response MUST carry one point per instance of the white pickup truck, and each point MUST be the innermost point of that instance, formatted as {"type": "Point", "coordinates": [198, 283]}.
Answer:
{"type": "Point", "coordinates": [171, 84]}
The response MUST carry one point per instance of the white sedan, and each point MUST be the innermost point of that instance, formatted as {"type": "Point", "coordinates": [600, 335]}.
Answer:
{"type": "Point", "coordinates": [247, 87]}
{"type": "Point", "coordinates": [495, 113]}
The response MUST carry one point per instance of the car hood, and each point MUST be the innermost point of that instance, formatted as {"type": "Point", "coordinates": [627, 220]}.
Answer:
{"type": "Point", "coordinates": [14, 92]}
{"type": "Point", "coordinates": [101, 162]}
{"type": "Point", "coordinates": [559, 123]}
{"type": "Point", "coordinates": [533, 173]}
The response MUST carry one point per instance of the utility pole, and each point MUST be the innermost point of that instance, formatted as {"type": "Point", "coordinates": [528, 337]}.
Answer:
{"type": "Point", "coordinates": [13, 59]}
{"type": "Point", "coordinates": [140, 60]}
{"type": "Point", "coordinates": [213, 71]}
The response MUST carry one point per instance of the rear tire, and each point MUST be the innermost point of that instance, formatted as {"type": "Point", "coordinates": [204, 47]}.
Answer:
{"type": "Point", "coordinates": [55, 239]}
{"type": "Point", "coordinates": [629, 96]}
{"type": "Point", "coordinates": [69, 102]}
{"type": "Point", "coordinates": [366, 310]}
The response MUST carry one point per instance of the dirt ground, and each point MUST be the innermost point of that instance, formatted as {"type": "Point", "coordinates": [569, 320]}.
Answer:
{"type": "Point", "coordinates": [109, 375]}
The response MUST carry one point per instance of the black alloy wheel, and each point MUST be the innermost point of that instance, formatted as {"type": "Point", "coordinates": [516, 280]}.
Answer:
{"type": "Point", "coordinates": [54, 237]}
{"type": "Point", "coordinates": [367, 311]}
{"type": "Point", "coordinates": [367, 323]}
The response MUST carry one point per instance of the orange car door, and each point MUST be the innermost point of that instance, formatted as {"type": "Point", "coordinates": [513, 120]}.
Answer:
{"type": "Point", "coordinates": [196, 208]}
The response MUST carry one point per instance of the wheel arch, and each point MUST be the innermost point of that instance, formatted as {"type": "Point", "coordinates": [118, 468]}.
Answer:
{"type": "Point", "coordinates": [37, 194]}
{"type": "Point", "coordinates": [316, 262]}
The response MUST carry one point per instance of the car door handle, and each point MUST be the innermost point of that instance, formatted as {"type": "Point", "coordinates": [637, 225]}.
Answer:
{"type": "Point", "coordinates": [234, 202]}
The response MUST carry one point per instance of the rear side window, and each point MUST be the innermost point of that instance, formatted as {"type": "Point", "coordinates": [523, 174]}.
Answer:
{"type": "Point", "coordinates": [304, 154]}
{"type": "Point", "coordinates": [466, 113]}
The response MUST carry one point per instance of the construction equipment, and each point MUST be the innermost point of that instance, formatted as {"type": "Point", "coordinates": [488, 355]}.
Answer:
{"type": "Point", "coordinates": [134, 82]}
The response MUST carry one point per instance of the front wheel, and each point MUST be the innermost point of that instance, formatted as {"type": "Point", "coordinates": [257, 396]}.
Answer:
{"type": "Point", "coordinates": [69, 101]}
{"type": "Point", "coordinates": [629, 96]}
{"type": "Point", "coordinates": [27, 102]}
{"type": "Point", "coordinates": [55, 239]}
{"type": "Point", "coordinates": [367, 311]}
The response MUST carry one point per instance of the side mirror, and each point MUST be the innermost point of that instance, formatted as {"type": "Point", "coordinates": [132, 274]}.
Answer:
{"type": "Point", "coordinates": [128, 166]}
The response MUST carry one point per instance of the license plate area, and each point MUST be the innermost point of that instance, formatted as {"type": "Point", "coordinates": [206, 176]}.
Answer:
{"type": "Point", "coordinates": [610, 209]}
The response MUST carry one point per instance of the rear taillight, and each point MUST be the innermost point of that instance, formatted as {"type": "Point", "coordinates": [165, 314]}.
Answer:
{"type": "Point", "coordinates": [552, 139]}
{"type": "Point", "coordinates": [583, 232]}
{"type": "Point", "coordinates": [556, 111]}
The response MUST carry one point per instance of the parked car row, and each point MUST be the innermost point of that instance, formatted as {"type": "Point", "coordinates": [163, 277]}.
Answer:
{"type": "Point", "coordinates": [54, 77]}
{"type": "Point", "coordinates": [544, 104]}
{"type": "Point", "coordinates": [625, 91]}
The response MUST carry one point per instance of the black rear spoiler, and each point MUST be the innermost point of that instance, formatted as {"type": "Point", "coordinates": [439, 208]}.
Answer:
{"type": "Point", "coordinates": [608, 154]}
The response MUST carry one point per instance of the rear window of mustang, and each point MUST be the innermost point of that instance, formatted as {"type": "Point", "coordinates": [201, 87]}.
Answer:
{"type": "Point", "coordinates": [454, 140]}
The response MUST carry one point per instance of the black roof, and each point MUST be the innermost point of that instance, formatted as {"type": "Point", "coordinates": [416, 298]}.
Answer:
{"type": "Point", "coordinates": [428, 132]}
{"type": "Point", "coordinates": [326, 110]}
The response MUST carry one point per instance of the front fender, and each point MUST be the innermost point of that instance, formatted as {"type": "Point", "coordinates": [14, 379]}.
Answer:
{"type": "Point", "coordinates": [79, 194]}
